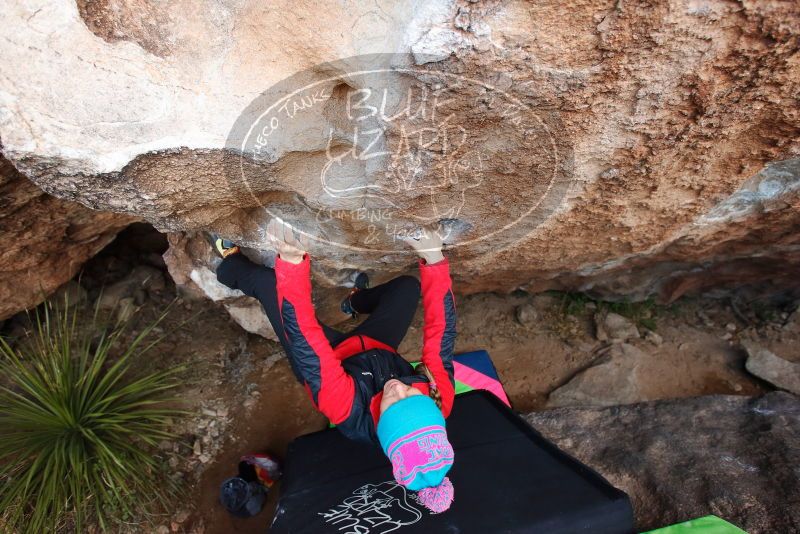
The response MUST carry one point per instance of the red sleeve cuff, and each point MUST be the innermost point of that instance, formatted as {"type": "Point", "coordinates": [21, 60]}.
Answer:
{"type": "Point", "coordinates": [423, 263]}
{"type": "Point", "coordinates": [293, 278]}
{"type": "Point", "coordinates": [284, 265]}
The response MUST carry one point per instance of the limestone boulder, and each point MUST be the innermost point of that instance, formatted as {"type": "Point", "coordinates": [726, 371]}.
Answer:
{"type": "Point", "coordinates": [613, 379]}
{"type": "Point", "coordinates": [45, 241]}
{"type": "Point", "coordinates": [623, 149]}
{"type": "Point", "coordinates": [735, 457]}
{"type": "Point", "coordinates": [192, 264]}
{"type": "Point", "coordinates": [768, 366]}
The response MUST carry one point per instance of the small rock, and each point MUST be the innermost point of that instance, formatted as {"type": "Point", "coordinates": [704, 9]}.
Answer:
{"type": "Point", "coordinates": [173, 462]}
{"type": "Point", "coordinates": [526, 314]}
{"type": "Point", "coordinates": [653, 338]}
{"type": "Point", "coordinates": [165, 445]}
{"type": "Point", "coordinates": [793, 322]}
{"type": "Point", "coordinates": [764, 364]}
{"type": "Point", "coordinates": [610, 174]}
{"type": "Point", "coordinates": [222, 412]}
{"type": "Point", "coordinates": [613, 326]}
{"type": "Point", "coordinates": [249, 403]}
{"type": "Point", "coordinates": [730, 327]}
{"type": "Point", "coordinates": [461, 20]}
{"type": "Point", "coordinates": [706, 320]}
{"type": "Point", "coordinates": [726, 336]}
{"type": "Point", "coordinates": [250, 316]}
{"type": "Point", "coordinates": [126, 308]}
{"type": "Point", "coordinates": [204, 458]}
{"type": "Point", "coordinates": [162, 529]}
{"type": "Point", "coordinates": [197, 448]}
{"type": "Point", "coordinates": [209, 412]}
{"type": "Point", "coordinates": [737, 387]}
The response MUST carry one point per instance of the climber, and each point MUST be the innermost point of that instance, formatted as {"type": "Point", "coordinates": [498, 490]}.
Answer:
{"type": "Point", "coordinates": [357, 379]}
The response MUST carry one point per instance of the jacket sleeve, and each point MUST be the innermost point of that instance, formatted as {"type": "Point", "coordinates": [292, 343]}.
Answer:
{"type": "Point", "coordinates": [440, 328]}
{"type": "Point", "coordinates": [331, 388]}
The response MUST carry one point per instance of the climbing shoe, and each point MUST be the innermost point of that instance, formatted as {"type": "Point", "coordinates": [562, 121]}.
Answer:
{"type": "Point", "coordinates": [222, 247]}
{"type": "Point", "coordinates": [361, 282]}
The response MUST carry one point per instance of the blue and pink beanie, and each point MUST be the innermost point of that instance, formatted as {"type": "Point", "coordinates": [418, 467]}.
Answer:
{"type": "Point", "coordinates": [412, 434]}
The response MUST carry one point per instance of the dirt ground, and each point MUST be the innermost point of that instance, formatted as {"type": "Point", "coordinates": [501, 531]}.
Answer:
{"type": "Point", "coordinates": [243, 397]}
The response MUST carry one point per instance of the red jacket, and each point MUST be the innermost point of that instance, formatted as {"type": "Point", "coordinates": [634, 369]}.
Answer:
{"type": "Point", "coordinates": [346, 382]}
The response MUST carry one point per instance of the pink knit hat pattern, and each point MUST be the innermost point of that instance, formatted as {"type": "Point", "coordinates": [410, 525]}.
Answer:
{"type": "Point", "coordinates": [438, 498]}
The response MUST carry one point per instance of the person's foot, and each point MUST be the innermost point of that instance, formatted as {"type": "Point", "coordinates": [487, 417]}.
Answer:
{"type": "Point", "coordinates": [361, 282]}
{"type": "Point", "coordinates": [222, 247]}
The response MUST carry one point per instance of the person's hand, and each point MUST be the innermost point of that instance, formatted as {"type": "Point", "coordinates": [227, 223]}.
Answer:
{"type": "Point", "coordinates": [290, 244]}
{"type": "Point", "coordinates": [427, 243]}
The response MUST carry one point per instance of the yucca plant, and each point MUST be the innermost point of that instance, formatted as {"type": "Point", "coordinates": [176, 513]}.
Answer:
{"type": "Point", "coordinates": [78, 425]}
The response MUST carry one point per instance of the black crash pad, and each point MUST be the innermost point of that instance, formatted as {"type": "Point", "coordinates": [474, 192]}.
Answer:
{"type": "Point", "coordinates": [507, 478]}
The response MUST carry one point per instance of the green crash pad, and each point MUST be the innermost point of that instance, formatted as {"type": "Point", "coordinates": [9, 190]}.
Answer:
{"type": "Point", "coordinates": [709, 524]}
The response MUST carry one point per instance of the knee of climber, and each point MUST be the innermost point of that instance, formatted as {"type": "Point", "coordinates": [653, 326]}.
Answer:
{"type": "Point", "coordinates": [408, 285]}
{"type": "Point", "coordinates": [225, 272]}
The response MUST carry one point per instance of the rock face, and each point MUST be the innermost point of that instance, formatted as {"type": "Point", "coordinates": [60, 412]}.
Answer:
{"type": "Point", "coordinates": [774, 369]}
{"type": "Point", "coordinates": [612, 380]}
{"type": "Point", "coordinates": [45, 240]}
{"type": "Point", "coordinates": [192, 265]}
{"type": "Point", "coordinates": [625, 149]}
{"type": "Point", "coordinates": [735, 457]}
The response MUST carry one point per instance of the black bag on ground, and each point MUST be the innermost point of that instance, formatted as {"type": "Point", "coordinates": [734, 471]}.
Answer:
{"type": "Point", "coordinates": [242, 498]}
{"type": "Point", "coordinates": [507, 478]}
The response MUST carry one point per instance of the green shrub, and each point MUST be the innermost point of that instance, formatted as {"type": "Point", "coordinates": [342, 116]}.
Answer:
{"type": "Point", "coordinates": [79, 425]}
{"type": "Point", "coordinates": [574, 303]}
{"type": "Point", "coordinates": [643, 313]}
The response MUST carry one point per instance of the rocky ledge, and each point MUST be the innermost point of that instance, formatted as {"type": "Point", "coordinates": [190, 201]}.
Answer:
{"type": "Point", "coordinates": [735, 457]}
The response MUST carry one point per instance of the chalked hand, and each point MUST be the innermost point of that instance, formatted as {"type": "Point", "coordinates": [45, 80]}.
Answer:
{"type": "Point", "coordinates": [427, 243]}
{"type": "Point", "coordinates": [290, 243]}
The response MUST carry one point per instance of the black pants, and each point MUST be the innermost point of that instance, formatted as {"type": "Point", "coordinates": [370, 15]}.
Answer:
{"type": "Point", "coordinates": [391, 306]}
